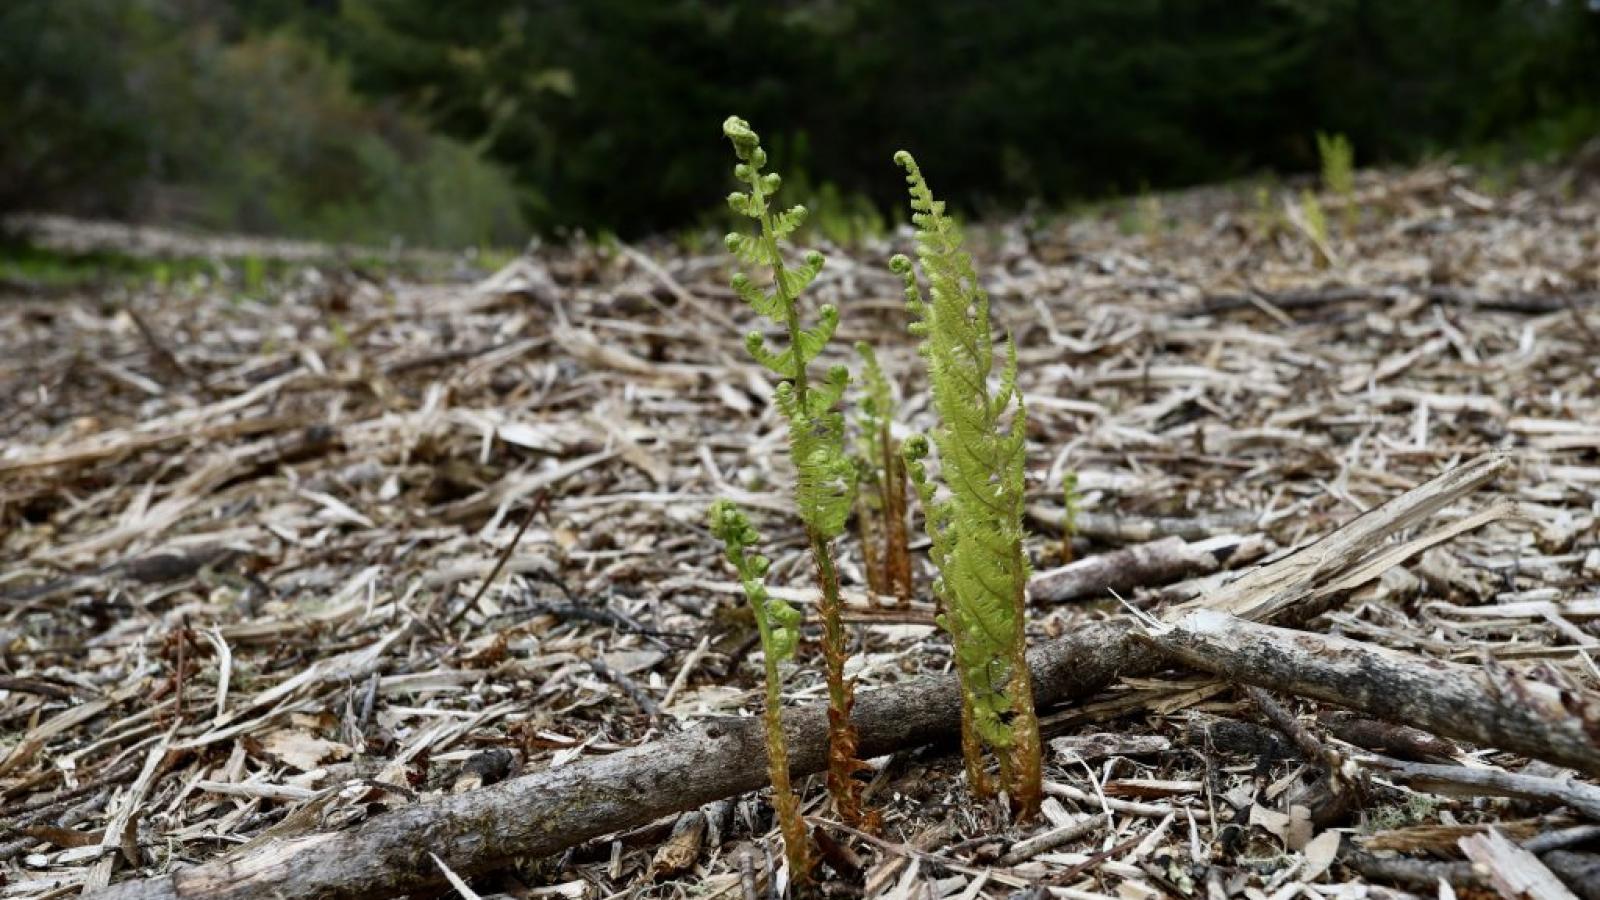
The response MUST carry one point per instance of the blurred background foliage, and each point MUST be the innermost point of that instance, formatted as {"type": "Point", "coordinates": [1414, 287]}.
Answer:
{"type": "Point", "coordinates": [467, 124]}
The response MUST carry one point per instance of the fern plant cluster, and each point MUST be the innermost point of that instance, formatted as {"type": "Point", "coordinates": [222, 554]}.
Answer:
{"type": "Point", "coordinates": [972, 507]}
{"type": "Point", "coordinates": [881, 506]}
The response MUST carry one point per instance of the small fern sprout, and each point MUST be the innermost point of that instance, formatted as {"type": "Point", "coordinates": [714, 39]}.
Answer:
{"type": "Point", "coordinates": [779, 627]}
{"type": "Point", "coordinates": [1338, 160]}
{"type": "Point", "coordinates": [881, 502]}
{"type": "Point", "coordinates": [826, 476]}
{"type": "Point", "coordinates": [1316, 227]}
{"type": "Point", "coordinates": [1268, 217]}
{"type": "Point", "coordinates": [974, 513]}
{"type": "Point", "coordinates": [1071, 501]}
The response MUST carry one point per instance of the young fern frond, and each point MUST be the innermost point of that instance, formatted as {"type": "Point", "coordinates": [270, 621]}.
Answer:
{"type": "Point", "coordinates": [826, 485]}
{"type": "Point", "coordinates": [881, 503]}
{"type": "Point", "coordinates": [1316, 227]}
{"type": "Point", "coordinates": [975, 523]}
{"type": "Point", "coordinates": [1071, 502]}
{"type": "Point", "coordinates": [779, 627]}
{"type": "Point", "coordinates": [1339, 173]}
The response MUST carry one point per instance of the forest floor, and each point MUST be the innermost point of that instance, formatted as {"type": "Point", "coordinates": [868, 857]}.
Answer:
{"type": "Point", "coordinates": [245, 534]}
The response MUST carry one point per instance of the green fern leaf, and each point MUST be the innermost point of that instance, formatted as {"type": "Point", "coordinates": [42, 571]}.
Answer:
{"type": "Point", "coordinates": [778, 622]}
{"type": "Point", "coordinates": [786, 222]}
{"type": "Point", "coordinates": [975, 521]}
{"type": "Point", "coordinates": [766, 303]}
{"type": "Point", "coordinates": [826, 480]}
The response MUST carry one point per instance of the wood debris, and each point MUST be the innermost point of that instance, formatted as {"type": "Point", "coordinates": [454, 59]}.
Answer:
{"type": "Point", "coordinates": [312, 579]}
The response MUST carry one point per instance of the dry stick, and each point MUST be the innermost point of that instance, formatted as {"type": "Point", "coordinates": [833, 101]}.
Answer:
{"type": "Point", "coordinates": [1142, 565]}
{"type": "Point", "coordinates": [1095, 859]}
{"type": "Point", "coordinates": [1342, 786]}
{"type": "Point", "coordinates": [1426, 874]}
{"type": "Point", "coordinates": [1513, 871]}
{"type": "Point", "coordinates": [1454, 700]}
{"type": "Point", "coordinates": [549, 811]}
{"type": "Point", "coordinates": [534, 508]}
{"type": "Point", "coordinates": [1022, 851]}
{"type": "Point", "coordinates": [1580, 871]}
{"type": "Point", "coordinates": [34, 686]}
{"type": "Point", "coordinates": [1114, 528]}
{"type": "Point", "coordinates": [1262, 592]}
{"type": "Point", "coordinates": [1285, 721]}
{"type": "Point", "coordinates": [1460, 780]}
{"type": "Point", "coordinates": [679, 292]}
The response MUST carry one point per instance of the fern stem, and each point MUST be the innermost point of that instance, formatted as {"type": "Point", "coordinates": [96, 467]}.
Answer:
{"type": "Point", "coordinates": [977, 534]}
{"type": "Point", "coordinates": [1027, 769]}
{"type": "Point", "coordinates": [843, 786]}
{"type": "Point", "coordinates": [825, 484]}
{"type": "Point", "coordinates": [971, 743]}
{"type": "Point", "coordinates": [896, 544]}
{"type": "Point", "coordinates": [778, 626]}
{"type": "Point", "coordinates": [796, 844]}
{"type": "Point", "coordinates": [790, 304]}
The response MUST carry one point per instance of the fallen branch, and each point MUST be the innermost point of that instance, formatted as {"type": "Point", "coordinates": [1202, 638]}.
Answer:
{"type": "Point", "coordinates": [1349, 556]}
{"type": "Point", "coordinates": [1489, 708]}
{"type": "Point", "coordinates": [1159, 562]}
{"type": "Point", "coordinates": [1114, 528]}
{"type": "Point", "coordinates": [546, 812]}
{"type": "Point", "coordinates": [1513, 871]}
{"type": "Point", "coordinates": [1462, 781]}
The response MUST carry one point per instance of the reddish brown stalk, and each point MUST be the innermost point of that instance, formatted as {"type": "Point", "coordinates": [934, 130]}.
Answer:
{"type": "Point", "coordinates": [972, 752]}
{"type": "Point", "coordinates": [896, 544]}
{"type": "Point", "coordinates": [867, 527]}
{"type": "Point", "coordinates": [785, 803]}
{"type": "Point", "coordinates": [843, 764]}
{"type": "Point", "coordinates": [1026, 777]}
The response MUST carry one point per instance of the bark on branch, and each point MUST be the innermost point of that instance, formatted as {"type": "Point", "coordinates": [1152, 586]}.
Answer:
{"type": "Point", "coordinates": [1489, 707]}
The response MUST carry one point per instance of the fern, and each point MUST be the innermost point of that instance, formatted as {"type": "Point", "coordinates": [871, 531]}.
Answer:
{"type": "Point", "coordinates": [1071, 501]}
{"type": "Point", "coordinates": [825, 485]}
{"type": "Point", "coordinates": [975, 524]}
{"type": "Point", "coordinates": [881, 504]}
{"type": "Point", "coordinates": [1338, 163]}
{"type": "Point", "coordinates": [779, 627]}
{"type": "Point", "coordinates": [1268, 217]}
{"type": "Point", "coordinates": [1339, 172]}
{"type": "Point", "coordinates": [1316, 224]}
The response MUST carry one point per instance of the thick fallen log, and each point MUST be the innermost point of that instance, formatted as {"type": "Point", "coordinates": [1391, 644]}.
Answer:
{"type": "Point", "coordinates": [1489, 707]}
{"type": "Point", "coordinates": [549, 811]}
